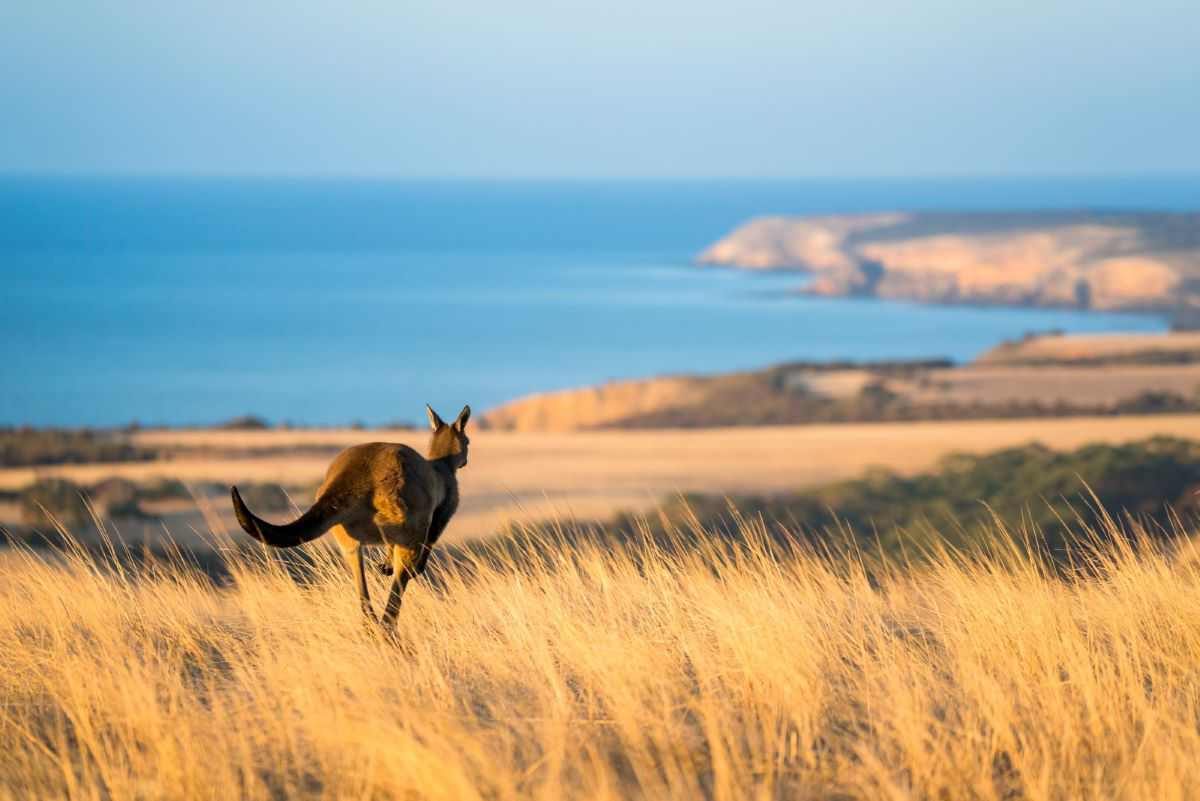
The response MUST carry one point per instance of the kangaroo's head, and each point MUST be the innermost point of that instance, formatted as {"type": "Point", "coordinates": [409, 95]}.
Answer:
{"type": "Point", "coordinates": [449, 441]}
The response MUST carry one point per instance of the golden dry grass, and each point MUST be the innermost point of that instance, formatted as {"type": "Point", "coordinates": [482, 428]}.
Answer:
{"type": "Point", "coordinates": [606, 672]}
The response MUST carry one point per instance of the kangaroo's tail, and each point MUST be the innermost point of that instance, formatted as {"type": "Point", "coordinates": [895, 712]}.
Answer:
{"type": "Point", "coordinates": [310, 525]}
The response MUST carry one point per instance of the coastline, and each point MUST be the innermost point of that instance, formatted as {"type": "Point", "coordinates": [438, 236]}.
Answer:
{"type": "Point", "coordinates": [1142, 262]}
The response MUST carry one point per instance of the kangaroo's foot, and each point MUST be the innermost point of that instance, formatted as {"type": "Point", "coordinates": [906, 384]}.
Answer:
{"type": "Point", "coordinates": [391, 636]}
{"type": "Point", "coordinates": [403, 645]}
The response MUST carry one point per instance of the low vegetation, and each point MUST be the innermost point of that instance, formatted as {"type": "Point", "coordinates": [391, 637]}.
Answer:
{"type": "Point", "coordinates": [1155, 481]}
{"type": "Point", "coordinates": [739, 669]}
{"type": "Point", "coordinates": [21, 447]}
{"type": "Point", "coordinates": [72, 505]}
{"type": "Point", "coordinates": [57, 499]}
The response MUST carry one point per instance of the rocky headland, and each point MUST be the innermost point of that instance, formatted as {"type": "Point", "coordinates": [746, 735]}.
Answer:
{"type": "Point", "coordinates": [1136, 261]}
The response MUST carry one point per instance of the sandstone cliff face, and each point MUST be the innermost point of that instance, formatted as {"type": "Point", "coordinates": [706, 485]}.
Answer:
{"type": "Point", "coordinates": [592, 407]}
{"type": "Point", "coordinates": [1097, 261]}
{"type": "Point", "coordinates": [811, 243]}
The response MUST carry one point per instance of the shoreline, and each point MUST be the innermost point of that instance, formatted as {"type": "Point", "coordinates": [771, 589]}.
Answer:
{"type": "Point", "coordinates": [1160, 325]}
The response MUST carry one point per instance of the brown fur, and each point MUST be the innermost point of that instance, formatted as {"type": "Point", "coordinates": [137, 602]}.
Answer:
{"type": "Point", "coordinates": [380, 493]}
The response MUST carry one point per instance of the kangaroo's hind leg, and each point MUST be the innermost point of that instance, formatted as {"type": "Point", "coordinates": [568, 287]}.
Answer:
{"type": "Point", "coordinates": [352, 549]}
{"type": "Point", "coordinates": [404, 560]}
{"type": "Point", "coordinates": [437, 524]}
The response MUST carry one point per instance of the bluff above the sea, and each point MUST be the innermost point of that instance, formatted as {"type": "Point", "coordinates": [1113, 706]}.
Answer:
{"type": "Point", "coordinates": [1138, 261]}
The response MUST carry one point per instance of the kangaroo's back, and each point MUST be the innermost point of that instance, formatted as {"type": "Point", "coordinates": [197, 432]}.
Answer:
{"type": "Point", "coordinates": [369, 466]}
{"type": "Point", "coordinates": [385, 482]}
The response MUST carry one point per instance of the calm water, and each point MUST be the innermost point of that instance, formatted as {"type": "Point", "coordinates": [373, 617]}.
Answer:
{"type": "Point", "coordinates": [324, 302]}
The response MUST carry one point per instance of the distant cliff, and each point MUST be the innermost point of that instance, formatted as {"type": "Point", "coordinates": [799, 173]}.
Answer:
{"type": "Point", "coordinates": [595, 407]}
{"type": "Point", "coordinates": [1111, 261]}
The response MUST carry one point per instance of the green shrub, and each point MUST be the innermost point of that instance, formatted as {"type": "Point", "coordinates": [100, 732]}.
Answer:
{"type": "Point", "coordinates": [63, 500]}
{"type": "Point", "coordinates": [1153, 481]}
{"type": "Point", "coordinates": [45, 446]}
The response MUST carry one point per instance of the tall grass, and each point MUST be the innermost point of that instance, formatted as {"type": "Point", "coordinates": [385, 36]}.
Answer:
{"type": "Point", "coordinates": [607, 671]}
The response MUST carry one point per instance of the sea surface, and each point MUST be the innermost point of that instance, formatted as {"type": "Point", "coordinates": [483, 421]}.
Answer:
{"type": "Point", "coordinates": [190, 301]}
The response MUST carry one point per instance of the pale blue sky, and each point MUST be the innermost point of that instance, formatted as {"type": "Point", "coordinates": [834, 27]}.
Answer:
{"type": "Point", "coordinates": [556, 89]}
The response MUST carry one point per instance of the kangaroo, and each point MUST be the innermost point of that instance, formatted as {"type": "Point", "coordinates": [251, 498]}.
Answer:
{"type": "Point", "coordinates": [380, 493]}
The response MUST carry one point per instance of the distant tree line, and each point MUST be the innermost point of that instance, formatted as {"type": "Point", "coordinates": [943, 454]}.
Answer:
{"type": "Point", "coordinates": [21, 447]}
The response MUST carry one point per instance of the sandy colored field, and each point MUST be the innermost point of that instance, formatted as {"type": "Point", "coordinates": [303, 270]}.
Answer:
{"type": "Point", "coordinates": [997, 384]}
{"type": "Point", "coordinates": [1086, 347]}
{"type": "Point", "coordinates": [593, 474]}
{"type": "Point", "coordinates": [1093, 386]}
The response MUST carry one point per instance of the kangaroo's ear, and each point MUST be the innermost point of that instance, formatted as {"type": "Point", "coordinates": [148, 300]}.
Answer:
{"type": "Point", "coordinates": [434, 421]}
{"type": "Point", "coordinates": [463, 417]}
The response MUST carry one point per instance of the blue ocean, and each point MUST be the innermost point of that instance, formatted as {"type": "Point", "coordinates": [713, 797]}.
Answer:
{"type": "Point", "coordinates": [190, 301]}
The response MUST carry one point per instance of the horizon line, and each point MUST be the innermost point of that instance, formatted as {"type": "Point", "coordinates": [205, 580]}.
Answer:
{"type": "Point", "coordinates": [568, 179]}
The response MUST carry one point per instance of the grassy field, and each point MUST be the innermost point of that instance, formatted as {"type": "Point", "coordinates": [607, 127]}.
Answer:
{"type": "Point", "coordinates": [593, 474]}
{"type": "Point", "coordinates": [721, 671]}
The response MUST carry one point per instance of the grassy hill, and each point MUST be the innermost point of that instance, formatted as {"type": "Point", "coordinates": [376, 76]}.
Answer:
{"type": "Point", "coordinates": [1040, 375]}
